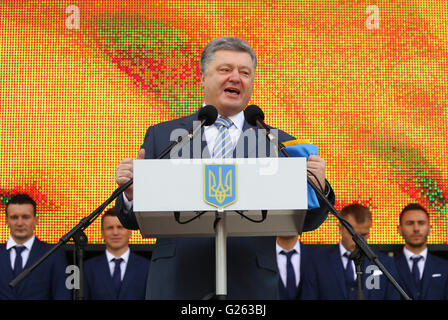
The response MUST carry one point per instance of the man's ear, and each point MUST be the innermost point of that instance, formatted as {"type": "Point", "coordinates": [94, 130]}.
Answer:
{"type": "Point", "coordinates": [399, 230]}
{"type": "Point", "coordinates": [202, 80]}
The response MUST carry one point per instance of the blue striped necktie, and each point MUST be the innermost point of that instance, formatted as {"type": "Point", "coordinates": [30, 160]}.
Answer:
{"type": "Point", "coordinates": [223, 143]}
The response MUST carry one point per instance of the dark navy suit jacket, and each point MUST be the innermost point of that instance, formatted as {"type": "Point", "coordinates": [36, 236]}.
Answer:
{"type": "Point", "coordinates": [434, 283]}
{"type": "Point", "coordinates": [184, 268]}
{"type": "Point", "coordinates": [324, 278]}
{"type": "Point", "coordinates": [305, 252]}
{"type": "Point", "coordinates": [45, 282]}
{"type": "Point", "coordinates": [99, 284]}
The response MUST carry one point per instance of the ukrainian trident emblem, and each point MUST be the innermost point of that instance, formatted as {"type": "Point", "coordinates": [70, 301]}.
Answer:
{"type": "Point", "coordinates": [220, 184]}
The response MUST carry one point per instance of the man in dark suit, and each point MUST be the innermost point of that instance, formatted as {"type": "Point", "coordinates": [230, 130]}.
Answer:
{"type": "Point", "coordinates": [422, 275]}
{"type": "Point", "coordinates": [23, 248]}
{"type": "Point", "coordinates": [118, 273]}
{"type": "Point", "coordinates": [184, 268]}
{"type": "Point", "coordinates": [330, 275]}
{"type": "Point", "coordinates": [292, 255]}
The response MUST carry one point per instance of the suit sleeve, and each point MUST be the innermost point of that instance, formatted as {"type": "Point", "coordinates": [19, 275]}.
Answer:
{"type": "Point", "coordinates": [127, 217]}
{"type": "Point", "coordinates": [310, 290]}
{"type": "Point", "coordinates": [315, 217]}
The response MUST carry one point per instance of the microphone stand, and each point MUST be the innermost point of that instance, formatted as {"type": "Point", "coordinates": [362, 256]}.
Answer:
{"type": "Point", "coordinates": [358, 257]}
{"type": "Point", "coordinates": [361, 244]}
{"type": "Point", "coordinates": [77, 233]}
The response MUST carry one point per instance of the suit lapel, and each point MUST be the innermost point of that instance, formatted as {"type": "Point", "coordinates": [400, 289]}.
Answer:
{"type": "Point", "coordinates": [198, 142]}
{"type": "Point", "coordinates": [338, 269]}
{"type": "Point", "coordinates": [204, 146]}
{"type": "Point", "coordinates": [427, 274]}
{"type": "Point", "coordinates": [104, 273]}
{"type": "Point", "coordinates": [405, 273]}
{"type": "Point", "coordinates": [365, 264]}
{"type": "Point", "coordinates": [247, 142]}
{"type": "Point", "coordinates": [128, 274]}
{"type": "Point", "coordinates": [35, 253]}
{"type": "Point", "coordinates": [304, 258]}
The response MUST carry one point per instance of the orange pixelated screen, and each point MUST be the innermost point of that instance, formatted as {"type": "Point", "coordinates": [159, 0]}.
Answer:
{"type": "Point", "coordinates": [366, 81]}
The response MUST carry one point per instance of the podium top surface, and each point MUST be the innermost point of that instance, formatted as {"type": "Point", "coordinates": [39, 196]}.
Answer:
{"type": "Point", "coordinates": [220, 184]}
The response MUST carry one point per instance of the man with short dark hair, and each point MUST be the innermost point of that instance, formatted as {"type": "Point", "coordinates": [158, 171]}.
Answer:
{"type": "Point", "coordinates": [331, 275]}
{"type": "Point", "coordinates": [184, 268]}
{"type": "Point", "coordinates": [422, 275]}
{"type": "Point", "coordinates": [23, 248]}
{"type": "Point", "coordinates": [118, 274]}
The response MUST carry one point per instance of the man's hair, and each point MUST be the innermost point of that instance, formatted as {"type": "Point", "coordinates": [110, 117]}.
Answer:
{"type": "Point", "coordinates": [413, 206]}
{"type": "Point", "coordinates": [21, 198]}
{"type": "Point", "coordinates": [225, 43]}
{"type": "Point", "coordinates": [358, 211]}
{"type": "Point", "coordinates": [109, 213]}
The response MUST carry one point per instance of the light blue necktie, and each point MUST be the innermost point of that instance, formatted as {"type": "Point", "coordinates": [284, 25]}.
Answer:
{"type": "Point", "coordinates": [223, 143]}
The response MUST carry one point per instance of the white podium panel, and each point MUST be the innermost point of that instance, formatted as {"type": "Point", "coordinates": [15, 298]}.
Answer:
{"type": "Point", "coordinates": [162, 187]}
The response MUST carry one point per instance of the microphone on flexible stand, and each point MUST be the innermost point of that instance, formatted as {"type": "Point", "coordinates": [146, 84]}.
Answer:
{"type": "Point", "coordinates": [255, 116]}
{"type": "Point", "coordinates": [207, 116]}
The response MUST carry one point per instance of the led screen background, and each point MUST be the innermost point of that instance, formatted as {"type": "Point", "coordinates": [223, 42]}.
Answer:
{"type": "Point", "coordinates": [75, 101]}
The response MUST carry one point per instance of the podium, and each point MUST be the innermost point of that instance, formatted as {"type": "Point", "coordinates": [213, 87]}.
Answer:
{"type": "Point", "coordinates": [220, 198]}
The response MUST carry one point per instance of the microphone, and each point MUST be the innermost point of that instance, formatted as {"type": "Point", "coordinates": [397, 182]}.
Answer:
{"type": "Point", "coordinates": [255, 117]}
{"type": "Point", "coordinates": [207, 116]}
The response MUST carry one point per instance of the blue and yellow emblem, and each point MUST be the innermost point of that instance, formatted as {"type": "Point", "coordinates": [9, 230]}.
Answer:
{"type": "Point", "coordinates": [220, 184]}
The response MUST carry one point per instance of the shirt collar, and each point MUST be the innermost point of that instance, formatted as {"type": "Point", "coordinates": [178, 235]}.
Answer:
{"type": "Point", "coordinates": [28, 244]}
{"type": "Point", "coordinates": [296, 247]}
{"type": "Point", "coordinates": [342, 250]}
{"type": "Point", "coordinates": [408, 254]}
{"type": "Point", "coordinates": [238, 120]}
{"type": "Point", "coordinates": [124, 256]}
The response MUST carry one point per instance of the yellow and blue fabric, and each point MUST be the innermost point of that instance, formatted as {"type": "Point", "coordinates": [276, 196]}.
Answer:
{"type": "Point", "coordinates": [303, 148]}
{"type": "Point", "coordinates": [223, 144]}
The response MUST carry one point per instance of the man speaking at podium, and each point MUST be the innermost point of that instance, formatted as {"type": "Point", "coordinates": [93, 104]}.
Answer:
{"type": "Point", "coordinates": [184, 268]}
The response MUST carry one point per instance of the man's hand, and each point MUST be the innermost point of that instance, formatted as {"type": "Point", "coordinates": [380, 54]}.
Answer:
{"type": "Point", "coordinates": [125, 172]}
{"type": "Point", "coordinates": [316, 165]}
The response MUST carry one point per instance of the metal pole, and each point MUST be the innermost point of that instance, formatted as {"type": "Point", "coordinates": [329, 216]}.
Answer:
{"type": "Point", "coordinates": [221, 256]}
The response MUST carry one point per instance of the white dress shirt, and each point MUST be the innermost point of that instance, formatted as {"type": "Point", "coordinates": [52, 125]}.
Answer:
{"type": "Point", "coordinates": [123, 265]}
{"type": "Point", "coordinates": [295, 260]}
{"type": "Point", "coordinates": [345, 260]}
{"type": "Point", "coordinates": [210, 133]}
{"type": "Point", "coordinates": [25, 253]}
{"type": "Point", "coordinates": [421, 264]}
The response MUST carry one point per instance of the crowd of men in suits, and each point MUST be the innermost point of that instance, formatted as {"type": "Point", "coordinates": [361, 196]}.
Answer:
{"type": "Point", "coordinates": [304, 272]}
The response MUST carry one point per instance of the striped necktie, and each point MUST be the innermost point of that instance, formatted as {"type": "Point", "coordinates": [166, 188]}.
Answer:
{"type": "Point", "coordinates": [223, 143]}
